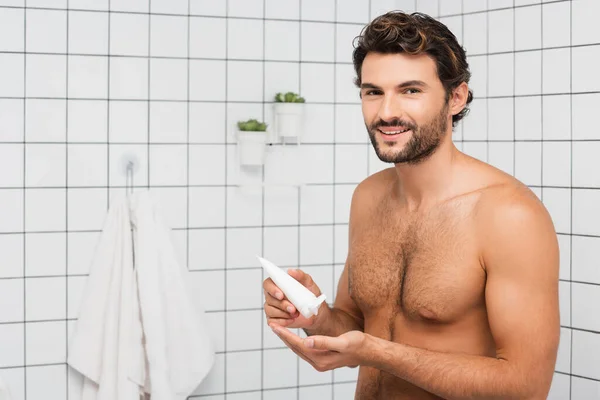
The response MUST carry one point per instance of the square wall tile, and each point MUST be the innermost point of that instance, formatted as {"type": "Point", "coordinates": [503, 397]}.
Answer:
{"type": "Point", "coordinates": [81, 251]}
{"type": "Point", "coordinates": [46, 254]}
{"type": "Point", "coordinates": [46, 31]}
{"type": "Point", "coordinates": [350, 124]}
{"type": "Point", "coordinates": [129, 34]}
{"type": "Point", "coordinates": [450, 7]}
{"type": "Point", "coordinates": [168, 79]}
{"type": "Point", "coordinates": [280, 368]}
{"type": "Point", "coordinates": [46, 75]}
{"type": "Point", "coordinates": [206, 123]}
{"type": "Point", "coordinates": [45, 209]}
{"type": "Point", "coordinates": [318, 10]}
{"type": "Point", "coordinates": [128, 78]}
{"type": "Point", "coordinates": [556, 70]}
{"type": "Point", "coordinates": [45, 298]}
{"type": "Point", "coordinates": [115, 164]}
{"type": "Point", "coordinates": [244, 330]}
{"type": "Point", "coordinates": [586, 363]}
{"type": "Point", "coordinates": [12, 345]}
{"type": "Point", "coordinates": [429, 7]}
{"type": "Point", "coordinates": [45, 165]}
{"type": "Point", "coordinates": [558, 203]}
{"type": "Point", "coordinates": [12, 307]}
{"type": "Point", "coordinates": [316, 245]}
{"type": "Point", "coordinates": [88, 77]}
{"type": "Point", "coordinates": [500, 119]}
{"type": "Point", "coordinates": [245, 39]}
{"type": "Point", "coordinates": [528, 28]}
{"type": "Point", "coordinates": [557, 117]}
{"type": "Point", "coordinates": [88, 32]}
{"type": "Point", "coordinates": [168, 165]}
{"type": "Point", "coordinates": [528, 80]}
{"type": "Point", "coordinates": [245, 8]}
{"type": "Point", "coordinates": [475, 33]}
{"type": "Point", "coordinates": [12, 28]}
{"type": "Point", "coordinates": [201, 286]}
{"type": "Point", "coordinates": [11, 159]}
{"type": "Point", "coordinates": [46, 342]}
{"type": "Point", "coordinates": [170, 6]}
{"type": "Point", "coordinates": [244, 289]}
{"type": "Point", "coordinates": [169, 35]}
{"type": "Point", "coordinates": [208, 7]}
{"type": "Point", "coordinates": [319, 122]}
{"type": "Point", "coordinates": [317, 41]}
{"type": "Point", "coordinates": [283, 9]}
{"type": "Point", "coordinates": [87, 120]}
{"type": "Point", "coordinates": [14, 379]}
{"type": "Point", "coordinates": [244, 207]}
{"type": "Point", "coordinates": [556, 28]}
{"type": "Point", "coordinates": [585, 256]}
{"type": "Point", "coordinates": [12, 75]}
{"type": "Point", "coordinates": [528, 158]}
{"type": "Point", "coordinates": [207, 164]}
{"type": "Point", "coordinates": [281, 245]}
{"type": "Point", "coordinates": [351, 165]}
{"type": "Point", "coordinates": [585, 78]}
{"type": "Point", "coordinates": [171, 203]}
{"type": "Point", "coordinates": [242, 372]}
{"type": "Point", "coordinates": [477, 150]}
{"type": "Point", "coordinates": [206, 249]}
{"type": "Point", "coordinates": [585, 162]}
{"type": "Point", "coordinates": [560, 388]}
{"type": "Point", "coordinates": [586, 219]}
{"type": "Point", "coordinates": [582, 17]}
{"type": "Point", "coordinates": [281, 206]}
{"type": "Point", "coordinates": [476, 124]}
{"type": "Point", "coordinates": [564, 247]}
{"type": "Point", "coordinates": [321, 392]}
{"type": "Point", "coordinates": [312, 77]}
{"type": "Point", "coordinates": [586, 298]}
{"type": "Point", "coordinates": [245, 81]}
{"type": "Point", "coordinates": [563, 360]}
{"type": "Point", "coordinates": [585, 387]}
{"type": "Point", "coordinates": [282, 77]}
{"type": "Point", "coordinates": [455, 24]}
{"type": "Point", "coordinates": [282, 40]}
{"type": "Point", "coordinates": [501, 74]}
{"type": "Point", "coordinates": [87, 208]}
{"type": "Point", "coordinates": [47, 382]}
{"type": "Point", "coordinates": [168, 122]}
{"type": "Point", "coordinates": [352, 11]}
{"type": "Point", "coordinates": [243, 245]}
{"type": "Point", "coordinates": [202, 28]}
{"type": "Point", "coordinates": [500, 31]}
{"type": "Point", "coordinates": [345, 35]}
{"type": "Point", "coordinates": [206, 207]}
{"type": "Point", "coordinates": [11, 120]}
{"type": "Point", "coordinates": [528, 118]}
{"type": "Point", "coordinates": [584, 107]}
{"type": "Point", "coordinates": [11, 215]}
{"type": "Point", "coordinates": [345, 89]}
{"type": "Point", "coordinates": [11, 247]}
{"type": "Point", "coordinates": [556, 160]}
{"type": "Point", "coordinates": [320, 169]}
{"type": "Point", "coordinates": [316, 204]}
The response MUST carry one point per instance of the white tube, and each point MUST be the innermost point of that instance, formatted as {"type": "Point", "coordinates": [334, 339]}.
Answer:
{"type": "Point", "coordinates": [303, 299]}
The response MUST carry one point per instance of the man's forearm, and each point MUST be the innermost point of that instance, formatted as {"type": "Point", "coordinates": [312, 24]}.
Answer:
{"type": "Point", "coordinates": [333, 322]}
{"type": "Point", "coordinates": [452, 376]}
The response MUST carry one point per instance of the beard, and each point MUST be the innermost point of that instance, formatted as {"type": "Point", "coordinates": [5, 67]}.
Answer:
{"type": "Point", "coordinates": [422, 144]}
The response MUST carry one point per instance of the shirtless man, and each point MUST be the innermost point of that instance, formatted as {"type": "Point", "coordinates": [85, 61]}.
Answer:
{"type": "Point", "coordinates": [450, 288]}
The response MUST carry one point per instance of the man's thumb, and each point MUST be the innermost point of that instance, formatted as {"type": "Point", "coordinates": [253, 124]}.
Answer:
{"type": "Point", "coordinates": [305, 279]}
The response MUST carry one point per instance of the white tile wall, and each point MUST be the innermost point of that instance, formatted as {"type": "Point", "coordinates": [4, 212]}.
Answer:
{"type": "Point", "coordinates": [63, 142]}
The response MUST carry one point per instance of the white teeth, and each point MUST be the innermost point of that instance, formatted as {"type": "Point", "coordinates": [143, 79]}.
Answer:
{"type": "Point", "coordinates": [394, 132]}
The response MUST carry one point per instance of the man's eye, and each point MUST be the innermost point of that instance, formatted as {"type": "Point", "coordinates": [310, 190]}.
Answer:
{"type": "Point", "coordinates": [412, 91]}
{"type": "Point", "coordinates": [372, 92]}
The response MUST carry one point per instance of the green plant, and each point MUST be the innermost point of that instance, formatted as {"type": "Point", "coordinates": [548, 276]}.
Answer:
{"type": "Point", "coordinates": [289, 97]}
{"type": "Point", "coordinates": [252, 125]}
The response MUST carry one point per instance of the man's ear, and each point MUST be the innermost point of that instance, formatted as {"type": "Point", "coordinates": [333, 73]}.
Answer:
{"type": "Point", "coordinates": [458, 98]}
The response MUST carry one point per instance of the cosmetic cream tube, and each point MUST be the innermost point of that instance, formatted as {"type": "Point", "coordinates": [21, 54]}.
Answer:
{"type": "Point", "coordinates": [303, 299]}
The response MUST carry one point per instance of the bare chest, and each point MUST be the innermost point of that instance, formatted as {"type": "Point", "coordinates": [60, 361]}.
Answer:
{"type": "Point", "coordinates": [426, 271]}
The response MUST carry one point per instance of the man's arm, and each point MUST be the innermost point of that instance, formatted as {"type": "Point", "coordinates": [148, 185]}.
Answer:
{"type": "Point", "coordinates": [520, 256]}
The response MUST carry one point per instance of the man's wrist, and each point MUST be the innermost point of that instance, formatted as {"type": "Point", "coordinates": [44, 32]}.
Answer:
{"type": "Point", "coordinates": [372, 351]}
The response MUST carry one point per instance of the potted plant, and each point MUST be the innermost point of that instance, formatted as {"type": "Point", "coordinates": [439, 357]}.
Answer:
{"type": "Point", "coordinates": [289, 110]}
{"type": "Point", "coordinates": [251, 137]}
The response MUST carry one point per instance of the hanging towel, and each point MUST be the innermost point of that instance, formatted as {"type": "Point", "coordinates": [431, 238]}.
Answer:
{"type": "Point", "coordinates": [137, 331]}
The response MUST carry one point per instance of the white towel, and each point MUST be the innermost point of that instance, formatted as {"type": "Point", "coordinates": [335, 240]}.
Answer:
{"type": "Point", "coordinates": [137, 331]}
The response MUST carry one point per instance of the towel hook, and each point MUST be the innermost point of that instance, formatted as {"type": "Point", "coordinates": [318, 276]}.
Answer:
{"type": "Point", "coordinates": [130, 164]}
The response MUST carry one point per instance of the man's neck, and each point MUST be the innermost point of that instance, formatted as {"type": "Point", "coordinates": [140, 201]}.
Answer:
{"type": "Point", "coordinates": [425, 183]}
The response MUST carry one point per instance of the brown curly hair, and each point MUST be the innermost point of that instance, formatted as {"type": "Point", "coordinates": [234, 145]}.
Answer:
{"type": "Point", "coordinates": [416, 33]}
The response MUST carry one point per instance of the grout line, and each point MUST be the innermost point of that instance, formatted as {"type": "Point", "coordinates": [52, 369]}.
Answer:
{"type": "Point", "coordinates": [67, 206]}
{"type": "Point", "coordinates": [571, 205]}
{"type": "Point", "coordinates": [226, 194]}
{"type": "Point", "coordinates": [25, 199]}
{"type": "Point", "coordinates": [262, 214]}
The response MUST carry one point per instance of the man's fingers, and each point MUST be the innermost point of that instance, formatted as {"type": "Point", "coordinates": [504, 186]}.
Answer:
{"type": "Point", "coordinates": [283, 305]}
{"type": "Point", "coordinates": [281, 321]}
{"type": "Point", "coordinates": [274, 312]}
{"type": "Point", "coordinates": [325, 343]}
{"type": "Point", "coordinates": [272, 289]}
{"type": "Point", "coordinates": [305, 279]}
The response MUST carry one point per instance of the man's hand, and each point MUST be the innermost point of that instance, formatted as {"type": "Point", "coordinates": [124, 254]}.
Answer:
{"type": "Point", "coordinates": [280, 310]}
{"type": "Point", "coordinates": [325, 353]}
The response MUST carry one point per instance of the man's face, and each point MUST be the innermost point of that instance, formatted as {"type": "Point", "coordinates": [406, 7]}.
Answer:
{"type": "Point", "coordinates": [404, 106]}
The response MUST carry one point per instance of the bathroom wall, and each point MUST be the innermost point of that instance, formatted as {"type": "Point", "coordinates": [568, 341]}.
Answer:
{"type": "Point", "coordinates": [82, 89]}
{"type": "Point", "coordinates": [536, 88]}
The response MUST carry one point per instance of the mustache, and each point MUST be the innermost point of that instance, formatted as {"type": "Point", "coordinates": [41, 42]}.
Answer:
{"type": "Point", "coordinates": [393, 123]}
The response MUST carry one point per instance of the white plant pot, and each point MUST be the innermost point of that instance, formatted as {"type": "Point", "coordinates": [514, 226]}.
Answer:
{"type": "Point", "coordinates": [251, 147]}
{"type": "Point", "coordinates": [289, 119]}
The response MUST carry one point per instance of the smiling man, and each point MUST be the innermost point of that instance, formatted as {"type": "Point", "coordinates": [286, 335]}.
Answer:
{"type": "Point", "coordinates": [450, 288]}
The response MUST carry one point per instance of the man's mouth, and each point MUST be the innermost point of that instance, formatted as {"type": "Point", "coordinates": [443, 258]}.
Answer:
{"type": "Point", "coordinates": [393, 131]}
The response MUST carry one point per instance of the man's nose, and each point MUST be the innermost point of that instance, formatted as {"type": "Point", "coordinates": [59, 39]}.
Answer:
{"type": "Point", "coordinates": [389, 109]}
